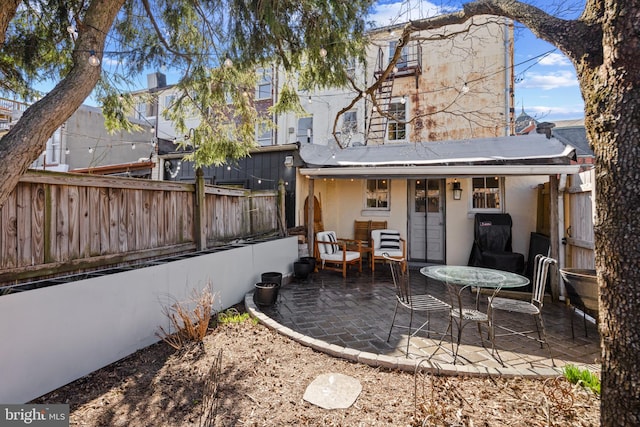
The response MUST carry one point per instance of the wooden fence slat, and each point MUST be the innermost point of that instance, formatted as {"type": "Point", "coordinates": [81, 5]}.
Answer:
{"type": "Point", "coordinates": [144, 224]}
{"type": "Point", "coordinates": [73, 225]}
{"type": "Point", "coordinates": [9, 250]}
{"type": "Point", "coordinates": [94, 215]}
{"type": "Point", "coordinates": [114, 222]}
{"type": "Point", "coordinates": [85, 235]}
{"type": "Point", "coordinates": [580, 235]}
{"type": "Point", "coordinates": [62, 224]}
{"type": "Point", "coordinates": [105, 220]}
{"type": "Point", "coordinates": [25, 256]}
{"type": "Point", "coordinates": [123, 221]}
{"type": "Point", "coordinates": [37, 224]}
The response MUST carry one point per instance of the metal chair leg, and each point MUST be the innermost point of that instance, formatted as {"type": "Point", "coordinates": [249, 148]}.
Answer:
{"type": "Point", "coordinates": [393, 322]}
{"type": "Point", "coordinates": [544, 335]}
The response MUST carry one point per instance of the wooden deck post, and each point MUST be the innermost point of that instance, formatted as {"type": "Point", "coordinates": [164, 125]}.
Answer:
{"type": "Point", "coordinates": [310, 218]}
{"type": "Point", "coordinates": [199, 212]}
{"type": "Point", "coordinates": [553, 233]}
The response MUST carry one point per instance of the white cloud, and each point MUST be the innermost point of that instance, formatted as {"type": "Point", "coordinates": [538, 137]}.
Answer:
{"type": "Point", "coordinates": [549, 81]}
{"type": "Point", "coordinates": [388, 12]}
{"type": "Point", "coordinates": [555, 59]}
{"type": "Point", "coordinates": [551, 113]}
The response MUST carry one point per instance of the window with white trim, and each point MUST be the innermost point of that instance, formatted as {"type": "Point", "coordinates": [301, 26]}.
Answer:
{"type": "Point", "coordinates": [397, 129]}
{"type": "Point", "coordinates": [263, 91]}
{"type": "Point", "coordinates": [377, 194]}
{"type": "Point", "coordinates": [486, 193]}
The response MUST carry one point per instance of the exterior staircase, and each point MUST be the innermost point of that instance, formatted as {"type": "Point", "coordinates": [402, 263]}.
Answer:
{"type": "Point", "coordinates": [410, 65]}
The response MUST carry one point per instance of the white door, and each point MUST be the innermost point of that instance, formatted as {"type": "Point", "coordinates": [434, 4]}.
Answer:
{"type": "Point", "coordinates": [426, 220]}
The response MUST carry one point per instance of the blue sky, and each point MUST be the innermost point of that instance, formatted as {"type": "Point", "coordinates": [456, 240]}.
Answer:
{"type": "Point", "coordinates": [546, 86]}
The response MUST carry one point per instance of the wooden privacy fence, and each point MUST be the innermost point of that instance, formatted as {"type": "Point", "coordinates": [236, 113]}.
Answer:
{"type": "Point", "coordinates": [56, 222]}
{"type": "Point", "coordinates": [577, 221]}
{"type": "Point", "coordinates": [579, 233]}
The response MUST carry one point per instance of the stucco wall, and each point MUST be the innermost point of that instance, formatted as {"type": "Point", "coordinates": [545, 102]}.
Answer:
{"type": "Point", "coordinates": [342, 202]}
{"type": "Point", "coordinates": [520, 202]}
{"type": "Point", "coordinates": [55, 335]}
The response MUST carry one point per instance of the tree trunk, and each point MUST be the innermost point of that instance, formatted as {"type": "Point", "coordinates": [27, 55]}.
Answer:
{"type": "Point", "coordinates": [28, 138]}
{"type": "Point", "coordinates": [617, 236]}
{"type": "Point", "coordinates": [603, 45]}
{"type": "Point", "coordinates": [612, 97]}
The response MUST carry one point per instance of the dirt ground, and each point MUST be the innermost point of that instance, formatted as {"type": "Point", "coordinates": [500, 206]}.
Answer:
{"type": "Point", "coordinates": [261, 377]}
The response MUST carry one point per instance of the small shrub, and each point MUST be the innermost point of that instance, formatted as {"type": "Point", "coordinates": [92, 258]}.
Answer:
{"type": "Point", "coordinates": [233, 316]}
{"type": "Point", "coordinates": [583, 377]}
{"type": "Point", "coordinates": [190, 319]}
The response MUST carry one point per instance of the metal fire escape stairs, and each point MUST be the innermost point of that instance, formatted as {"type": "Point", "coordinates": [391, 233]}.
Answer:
{"type": "Point", "coordinates": [377, 126]}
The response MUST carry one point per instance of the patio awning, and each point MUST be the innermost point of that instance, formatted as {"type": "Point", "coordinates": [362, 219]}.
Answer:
{"type": "Point", "coordinates": [521, 155]}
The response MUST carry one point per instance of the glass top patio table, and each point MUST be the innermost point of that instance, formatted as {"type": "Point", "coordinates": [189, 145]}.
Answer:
{"type": "Point", "coordinates": [464, 276]}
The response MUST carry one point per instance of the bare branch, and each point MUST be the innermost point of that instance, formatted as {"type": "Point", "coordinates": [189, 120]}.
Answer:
{"type": "Point", "coordinates": [567, 35]}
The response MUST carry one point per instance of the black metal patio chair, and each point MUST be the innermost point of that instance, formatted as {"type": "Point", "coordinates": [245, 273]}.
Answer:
{"type": "Point", "coordinates": [424, 303]}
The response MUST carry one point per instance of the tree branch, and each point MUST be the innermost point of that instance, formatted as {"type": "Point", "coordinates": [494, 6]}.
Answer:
{"type": "Point", "coordinates": [568, 36]}
{"type": "Point", "coordinates": [7, 12]}
{"type": "Point", "coordinates": [164, 42]}
{"type": "Point", "coordinates": [28, 138]}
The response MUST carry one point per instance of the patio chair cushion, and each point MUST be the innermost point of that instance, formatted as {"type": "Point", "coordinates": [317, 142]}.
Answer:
{"type": "Point", "coordinates": [327, 248]}
{"type": "Point", "coordinates": [390, 240]}
{"type": "Point", "coordinates": [331, 249]}
{"type": "Point", "coordinates": [387, 242]}
{"type": "Point", "coordinates": [337, 256]}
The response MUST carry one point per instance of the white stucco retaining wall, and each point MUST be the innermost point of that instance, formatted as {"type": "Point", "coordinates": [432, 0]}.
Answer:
{"type": "Point", "coordinates": [55, 335]}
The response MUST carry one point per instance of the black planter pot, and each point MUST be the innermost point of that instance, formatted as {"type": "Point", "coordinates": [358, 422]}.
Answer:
{"type": "Point", "coordinates": [311, 260]}
{"type": "Point", "coordinates": [265, 293]}
{"type": "Point", "coordinates": [302, 269]}
{"type": "Point", "coordinates": [272, 277]}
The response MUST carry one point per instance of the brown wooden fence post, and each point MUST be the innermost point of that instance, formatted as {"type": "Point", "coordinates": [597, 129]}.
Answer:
{"type": "Point", "coordinates": [199, 212]}
{"type": "Point", "coordinates": [310, 218]}
{"type": "Point", "coordinates": [554, 234]}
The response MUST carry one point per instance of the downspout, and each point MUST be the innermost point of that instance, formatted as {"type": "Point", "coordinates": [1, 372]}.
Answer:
{"type": "Point", "coordinates": [509, 80]}
{"type": "Point", "coordinates": [276, 90]}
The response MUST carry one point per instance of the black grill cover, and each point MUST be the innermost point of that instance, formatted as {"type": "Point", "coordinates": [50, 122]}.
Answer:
{"type": "Point", "coordinates": [492, 244]}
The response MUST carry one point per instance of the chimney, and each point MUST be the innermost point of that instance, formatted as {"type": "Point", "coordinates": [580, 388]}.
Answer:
{"type": "Point", "coordinates": [156, 80]}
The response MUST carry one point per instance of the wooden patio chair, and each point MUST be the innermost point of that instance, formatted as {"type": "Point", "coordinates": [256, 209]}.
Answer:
{"type": "Point", "coordinates": [361, 231]}
{"type": "Point", "coordinates": [387, 243]}
{"type": "Point", "coordinates": [336, 253]}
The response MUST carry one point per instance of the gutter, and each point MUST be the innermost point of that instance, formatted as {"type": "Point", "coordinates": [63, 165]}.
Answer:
{"type": "Point", "coordinates": [458, 171]}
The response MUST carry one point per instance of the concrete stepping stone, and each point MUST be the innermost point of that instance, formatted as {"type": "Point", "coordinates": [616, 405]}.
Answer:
{"type": "Point", "coordinates": [333, 391]}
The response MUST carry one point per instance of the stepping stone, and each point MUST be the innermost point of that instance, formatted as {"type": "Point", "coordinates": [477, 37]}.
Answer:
{"type": "Point", "coordinates": [333, 391]}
